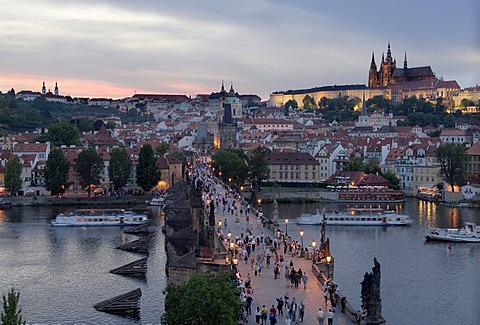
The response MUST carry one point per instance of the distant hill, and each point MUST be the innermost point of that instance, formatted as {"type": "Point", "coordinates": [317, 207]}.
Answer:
{"type": "Point", "coordinates": [19, 116]}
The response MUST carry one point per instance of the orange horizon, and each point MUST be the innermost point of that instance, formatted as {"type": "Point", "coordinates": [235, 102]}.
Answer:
{"type": "Point", "coordinates": [84, 87]}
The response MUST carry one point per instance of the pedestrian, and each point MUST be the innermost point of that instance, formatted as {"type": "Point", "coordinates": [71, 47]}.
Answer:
{"type": "Point", "coordinates": [301, 311]}
{"type": "Point", "coordinates": [258, 314]}
{"type": "Point", "coordinates": [304, 280]}
{"type": "Point", "coordinates": [255, 268]}
{"type": "Point", "coordinates": [273, 310]}
{"type": "Point", "coordinates": [280, 304]}
{"type": "Point", "coordinates": [320, 316]}
{"type": "Point", "coordinates": [343, 302]}
{"type": "Point", "coordinates": [276, 271]}
{"type": "Point", "coordinates": [288, 321]}
{"type": "Point", "coordinates": [273, 319]}
{"type": "Point", "coordinates": [330, 317]}
{"type": "Point", "coordinates": [264, 315]}
{"type": "Point", "coordinates": [249, 304]}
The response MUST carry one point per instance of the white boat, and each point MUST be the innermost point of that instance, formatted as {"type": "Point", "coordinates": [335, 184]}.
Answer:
{"type": "Point", "coordinates": [99, 217]}
{"type": "Point", "coordinates": [473, 228]}
{"type": "Point", "coordinates": [158, 201]}
{"type": "Point", "coordinates": [357, 217]}
{"type": "Point", "coordinates": [451, 235]}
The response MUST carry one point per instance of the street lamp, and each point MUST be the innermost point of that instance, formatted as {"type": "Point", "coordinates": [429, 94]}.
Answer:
{"type": "Point", "coordinates": [314, 244]}
{"type": "Point", "coordinates": [229, 235]}
{"type": "Point", "coordinates": [329, 261]}
{"type": "Point", "coordinates": [286, 227]}
{"type": "Point", "coordinates": [301, 236]}
{"type": "Point", "coordinates": [219, 224]}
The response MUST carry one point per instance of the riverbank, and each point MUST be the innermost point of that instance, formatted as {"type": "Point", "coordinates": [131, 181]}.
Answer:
{"type": "Point", "coordinates": [78, 200]}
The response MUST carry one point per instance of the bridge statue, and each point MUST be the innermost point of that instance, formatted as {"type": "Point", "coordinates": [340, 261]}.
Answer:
{"type": "Point", "coordinates": [275, 212]}
{"type": "Point", "coordinates": [371, 300]}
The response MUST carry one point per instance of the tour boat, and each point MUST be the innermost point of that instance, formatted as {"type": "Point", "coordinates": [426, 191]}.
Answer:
{"type": "Point", "coordinates": [451, 235]}
{"type": "Point", "coordinates": [473, 228]}
{"type": "Point", "coordinates": [158, 201]}
{"type": "Point", "coordinates": [357, 217]}
{"type": "Point", "coordinates": [99, 217]}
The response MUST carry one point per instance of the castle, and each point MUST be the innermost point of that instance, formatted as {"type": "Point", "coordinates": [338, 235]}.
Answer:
{"type": "Point", "coordinates": [389, 74]}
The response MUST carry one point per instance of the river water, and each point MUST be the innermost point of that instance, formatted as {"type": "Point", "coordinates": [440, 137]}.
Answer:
{"type": "Point", "coordinates": [422, 282]}
{"type": "Point", "coordinates": [62, 272]}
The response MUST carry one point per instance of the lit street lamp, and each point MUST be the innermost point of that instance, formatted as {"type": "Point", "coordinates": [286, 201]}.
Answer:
{"type": "Point", "coordinates": [219, 224]}
{"type": "Point", "coordinates": [329, 261]}
{"type": "Point", "coordinates": [229, 235]}
{"type": "Point", "coordinates": [286, 227]}
{"type": "Point", "coordinates": [314, 244]}
{"type": "Point", "coordinates": [301, 236]}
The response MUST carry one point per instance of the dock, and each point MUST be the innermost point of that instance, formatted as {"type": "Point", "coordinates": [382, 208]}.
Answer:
{"type": "Point", "coordinates": [137, 269]}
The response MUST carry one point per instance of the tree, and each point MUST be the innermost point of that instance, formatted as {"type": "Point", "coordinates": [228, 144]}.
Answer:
{"type": "Point", "coordinates": [13, 173]}
{"type": "Point", "coordinates": [162, 149]}
{"type": "Point", "coordinates": [372, 167]}
{"type": "Point", "coordinates": [120, 168]}
{"type": "Point", "coordinates": [452, 159]}
{"type": "Point", "coordinates": [63, 133]}
{"type": "Point", "coordinates": [11, 314]}
{"type": "Point", "coordinates": [205, 299]}
{"type": "Point", "coordinates": [394, 180]}
{"type": "Point", "coordinates": [232, 163]}
{"type": "Point", "coordinates": [56, 172]}
{"type": "Point", "coordinates": [148, 173]}
{"type": "Point", "coordinates": [291, 103]}
{"type": "Point", "coordinates": [355, 164]}
{"type": "Point", "coordinates": [309, 102]}
{"type": "Point", "coordinates": [258, 168]}
{"type": "Point", "coordinates": [89, 169]}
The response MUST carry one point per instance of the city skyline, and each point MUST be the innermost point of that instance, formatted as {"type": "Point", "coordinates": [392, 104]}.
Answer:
{"type": "Point", "coordinates": [118, 48]}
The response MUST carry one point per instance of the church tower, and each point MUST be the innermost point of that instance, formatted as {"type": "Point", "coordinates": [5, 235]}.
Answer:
{"type": "Point", "coordinates": [44, 89]}
{"type": "Point", "coordinates": [228, 129]}
{"type": "Point", "coordinates": [372, 73]}
{"type": "Point", "coordinates": [56, 89]}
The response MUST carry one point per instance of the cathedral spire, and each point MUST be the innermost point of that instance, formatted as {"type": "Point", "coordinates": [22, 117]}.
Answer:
{"type": "Point", "coordinates": [56, 89]}
{"type": "Point", "coordinates": [405, 61]}
{"type": "Point", "coordinates": [44, 89]}
{"type": "Point", "coordinates": [373, 64]}
{"type": "Point", "coordinates": [389, 53]}
{"type": "Point", "coordinates": [231, 88]}
{"type": "Point", "coordinates": [383, 58]}
{"type": "Point", "coordinates": [223, 87]}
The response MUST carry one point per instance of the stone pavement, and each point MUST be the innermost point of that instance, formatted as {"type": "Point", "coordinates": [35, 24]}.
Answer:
{"type": "Point", "coordinates": [265, 288]}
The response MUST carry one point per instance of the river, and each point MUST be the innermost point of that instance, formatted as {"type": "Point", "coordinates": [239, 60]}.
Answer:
{"type": "Point", "coordinates": [422, 282]}
{"type": "Point", "coordinates": [62, 272]}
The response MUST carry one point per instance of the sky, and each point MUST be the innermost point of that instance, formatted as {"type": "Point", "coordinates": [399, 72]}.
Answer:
{"type": "Point", "coordinates": [116, 48]}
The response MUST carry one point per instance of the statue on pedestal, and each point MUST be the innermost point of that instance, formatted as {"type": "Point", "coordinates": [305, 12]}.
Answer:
{"type": "Point", "coordinates": [371, 300]}
{"type": "Point", "coordinates": [275, 212]}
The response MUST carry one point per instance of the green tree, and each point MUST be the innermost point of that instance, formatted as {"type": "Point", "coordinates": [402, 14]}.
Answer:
{"type": "Point", "coordinates": [379, 103]}
{"type": "Point", "coordinates": [394, 180]}
{"type": "Point", "coordinates": [309, 102]}
{"type": "Point", "coordinates": [205, 299]}
{"type": "Point", "coordinates": [372, 166]}
{"type": "Point", "coordinates": [162, 149]}
{"type": "Point", "coordinates": [452, 159]}
{"type": "Point", "coordinates": [120, 168]}
{"type": "Point", "coordinates": [56, 172]}
{"type": "Point", "coordinates": [355, 164]}
{"type": "Point", "coordinates": [148, 173]}
{"type": "Point", "coordinates": [89, 169]}
{"type": "Point", "coordinates": [232, 163]}
{"type": "Point", "coordinates": [63, 133]}
{"type": "Point", "coordinates": [11, 313]}
{"type": "Point", "coordinates": [13, 173]}
{"type": "Point", "coordinates": [258, 169]}
{"type": "Point", "coordinates": [292, 103]}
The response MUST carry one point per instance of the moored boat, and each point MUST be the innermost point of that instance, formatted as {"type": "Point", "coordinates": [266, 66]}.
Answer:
{"type": "Point", "coordinates": [99, 217]}
{"type": "Point", "coordinates": [158, 201]}
{"type": "Point", "coordinates": [357, 217]}
{"type": "Point", "coordinates": [451, 235]}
